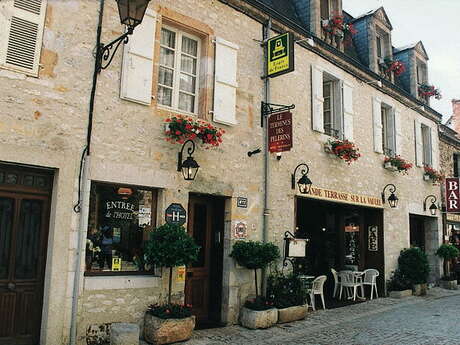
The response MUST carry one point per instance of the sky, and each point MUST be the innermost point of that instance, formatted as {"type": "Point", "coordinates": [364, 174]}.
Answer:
{"type": "Point", "coordinates": [434, 22]}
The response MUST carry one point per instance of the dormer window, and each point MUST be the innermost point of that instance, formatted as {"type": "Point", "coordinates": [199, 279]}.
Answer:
{"type": "Point", "coordinates": [422, 77]}
{"type": "Point", "coordinates": [326, 9]}
{"type": "Point", "coordinates": [382, 41]}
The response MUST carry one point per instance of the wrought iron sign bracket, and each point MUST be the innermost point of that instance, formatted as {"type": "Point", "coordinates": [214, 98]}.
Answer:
{"type": "Point", "coordinates": [268, 109]}
{"type": "Point", "coordinates": [287, 236]}
{"type": "Point", "coordinates": [105, 53]}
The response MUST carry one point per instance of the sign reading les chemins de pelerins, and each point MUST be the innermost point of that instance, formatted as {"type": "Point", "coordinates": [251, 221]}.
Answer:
{"type": "Point", "coordinates": [453, 194]}
{"type": "Point", "coordinates": [280, 132]}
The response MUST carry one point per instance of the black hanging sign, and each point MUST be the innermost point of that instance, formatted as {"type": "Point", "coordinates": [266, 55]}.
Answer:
{"type": "Point", "coordinates": [175, 214]}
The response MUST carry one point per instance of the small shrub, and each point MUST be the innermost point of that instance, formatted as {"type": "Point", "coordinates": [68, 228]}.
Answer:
{"type": "Point", "coordinates": [413, 264]}
{"type": "Point", "coordinates": [399, 282]}
{"type": "Point", "coordinates": [170, 311]}
{"type": "Point", "coordinates": [259, 303]}
{"type": "Point", "coordinates": [447, 252]}
{"type": "Point", "coordinates": [286, 291]}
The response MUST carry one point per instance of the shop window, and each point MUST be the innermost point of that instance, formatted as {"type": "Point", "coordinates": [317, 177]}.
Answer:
{"type": "Point", "coordinates": [332, 108]}
{"type": "Point", "coordinates": [352, 241]}
{"type": "Point", "coordinates": [179, 70]}
{"type": "Point", "coordinates": [388, 131]}
{"type": "Point", "coordinates": [426, 141]}
{"type": "Point", "coordinates": [120, 221]}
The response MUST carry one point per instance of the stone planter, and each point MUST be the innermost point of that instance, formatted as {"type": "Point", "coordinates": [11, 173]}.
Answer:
{"type": "Point", "coordinates": [426, 177]}
{"type": "Point", "coordinates": [400, 294]}
{"type": "Point", "coordinates": [166, 331]}
{"type": "Point", "coordinates": [419, 289]}
{"type": "Point", "coordinates": [297, 312]}
{"type": "Point", "coordinates": [389, 166]}
{"type": "Point", "coordinates": [254, 319]}
{"type": "Point", "coordinates": [448, 284]}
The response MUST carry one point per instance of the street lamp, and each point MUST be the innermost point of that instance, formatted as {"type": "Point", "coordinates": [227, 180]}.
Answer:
{"type": "Point", "coordinates": [433, 208]}
{"type": "Point", "coordinates": [304, 183]}
{"type": "Point", "coordinates": [392, 199]}
{"type": "Point", "coordinates": [189, 167]}
{"type": "Point", "coordinates": [131, 14]}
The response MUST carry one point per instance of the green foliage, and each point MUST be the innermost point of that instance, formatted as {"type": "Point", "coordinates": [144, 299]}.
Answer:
{"type": "Point", "coordinates": [170, 246]}
{"type": "Point", "coordinates": [399, 282]}
{"type": "Point", "coordinates": [254, 255]}
{"type": "Point", "coordinates": [447, 252]}
{"type": "Point", "coordinates": [413, 264]}
{"type": "Point", "coordinates": [259, 303]}
{"type": "Point", "coordinates": [170, 311]}
{"type": "Point", "coordinates": [286, 291]}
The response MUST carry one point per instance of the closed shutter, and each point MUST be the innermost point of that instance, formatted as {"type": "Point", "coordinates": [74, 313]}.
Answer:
{"type": "Point", "coordinates": [418, 143]}
{"type": "Point", "coordinates": [377, 117]}
{"type": "Point", "coordinates": [348, 111]}
{"type": "Point", "coordinates": [398, 132]}
{"type": "Point", "coordinates": [430, 149]}
{"type": "Point", "coordinates": [317, 99]}
{"type": "Point", "coordinates": [225, 84]}
{"type": "Point", "coordinates": [137, 66]}
{"type": "Point", "coordinates": [21, 34]}
{"type": "Point", "coordinates": [391, 131]}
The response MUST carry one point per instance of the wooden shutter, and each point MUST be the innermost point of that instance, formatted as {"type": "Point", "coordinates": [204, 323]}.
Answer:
{"type": "Point", "coordinates": [317, 99]}
{"type": "Point", "coordinates": [398, 131]}
{"type": "Point", "coordinates": [225, 84]}
{"type": "Point", "coordinates": [391, 130]}
{"type": "Point", "coordinates": [21, 34]}
{"type": "Point", "coordinates": [377, 117]}
{"type": "Point", "coordinates": [418, 143]}
{"type": "Point", "coordinates": [348, 111]}
{"type": "Point", "coordinates": [430, 148]}
{"type": "Point", "coordinates": [137, 65]}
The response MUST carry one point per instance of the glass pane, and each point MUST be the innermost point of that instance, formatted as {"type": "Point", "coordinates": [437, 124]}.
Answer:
{"type": "Point", "coordinates": [327, 104]}
{"type": "Point", "coordinates": [168, 38]}
{"type": "Point", "coordinates": [326, 90]}
{"type": "Point", "coordinates": [186, 102]}
{"type": "Point", "coordinates": [164, 96]}
{"type": "Point", "coordinates": [187, 83]}
{"type": "Point", "coordinates": [6, 224]}
{"type": "Point", "coordinates": [166, 76]}
{"type": "Point", "coordinates": [188, 64]}
{"type": "Point", "coordinates": [167, 57]}
{"type": "Point", "coordinates": [189, 46]}
{"type": "Point", "coordinates": [28, 239]}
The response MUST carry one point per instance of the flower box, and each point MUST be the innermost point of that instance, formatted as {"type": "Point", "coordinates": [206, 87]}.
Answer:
{"type": "Point", "coordinates": [448, 284]}
{"type": "Point", "coordinates": [166, 331]}
{"type": "Point", "coordinates": [397, 163]}
{"type": "Point", "coordinates": [344, 149]}
{"type": "Point", "coordinates": [254, 319]}
{"type": "Point", "coordinates": [389, 166]}
{"type": "Point", "coordinates": [290, 314]}
{"type": "Point", "coordinates": [426, 177]}
{"type": "Point", "coordinates": [432, 174]}
{"type": "Point", "coordinates": [400, 294]}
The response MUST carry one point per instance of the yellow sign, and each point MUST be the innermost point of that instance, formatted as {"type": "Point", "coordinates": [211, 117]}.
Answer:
{"type": "Point", "coordinates": [180, 274]}
{"type": "Point", "coordinates": [453, 217]}
{"type": "Point", "coordinates": [348, 198]}
{"type": "Point", "coordinates": [280, 55]}
{"type": "Point", "coordinates": [116, 264]}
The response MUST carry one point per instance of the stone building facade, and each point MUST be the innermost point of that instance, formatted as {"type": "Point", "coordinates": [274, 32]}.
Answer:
{"type": "Point", "coordinates": [45, 126]}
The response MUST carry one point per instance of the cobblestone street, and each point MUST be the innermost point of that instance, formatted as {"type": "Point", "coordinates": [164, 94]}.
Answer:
{"type": "Point", "coordinates": [430, 320]}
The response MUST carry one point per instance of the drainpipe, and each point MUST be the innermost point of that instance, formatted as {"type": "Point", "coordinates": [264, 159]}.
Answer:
{"type": "Point", "coordinates": [83, 197]}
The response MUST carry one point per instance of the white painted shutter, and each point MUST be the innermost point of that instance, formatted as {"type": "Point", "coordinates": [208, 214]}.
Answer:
{"type": "Point", "coordinates": [377, 117]}
{"type": "Point", "coordinates": [430, 147]}
{"type": "Point", "coordinates": [317, 99]}
{"type": "Point", "coordinates": [348, 111]}
{"type": "Point", "coordinates": [225, 85]}
{"type": "Point", "coordinates": [398, 132]}
{"type": "Point", "coordinates": [137, 65]}
{"type": "Point", "coordinates": [21, 34]}
{"type": "Point", "coordinates": [391, 130]}
{"type": "Point", "coordinates": [418, 143]}
{"type": "Point", "coordinates": [435, 148]}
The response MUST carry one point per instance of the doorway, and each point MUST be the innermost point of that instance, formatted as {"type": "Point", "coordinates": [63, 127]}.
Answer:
{"type": "Point", "coordinates": [25, 196]}
{"type": "Point", "coordinates": [203, 284]}
{"type": "Point", "coordinates": [417, 231]}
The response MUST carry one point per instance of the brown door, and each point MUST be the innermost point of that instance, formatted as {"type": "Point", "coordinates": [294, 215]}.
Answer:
{"type": "Point", "coordinates": [24, 215]}
{"type": "Point", "coordinates": [205, 224]}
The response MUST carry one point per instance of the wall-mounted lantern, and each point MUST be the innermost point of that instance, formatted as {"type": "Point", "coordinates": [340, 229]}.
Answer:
{"type": "Point", "coordinates": [392, 199]}
{"type": "Point", "coordinates": [433, 208]}
{"type": "Point", "coordinates": [189, 167]}
{"type": "Point", "coordinates": [304, 183]}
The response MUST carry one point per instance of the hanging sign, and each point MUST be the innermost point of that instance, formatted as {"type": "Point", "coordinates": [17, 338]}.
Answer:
{"type": "Point", "coordinates": [280, 55]}
{"type": "Point", "coordinates": [452, 194]}
{"type": "Point", "coordinates": [175, 214]}
{"type": "Point", "coordinates": [372, 239]}
{"type": "Point", "coordinates": [280, 132]}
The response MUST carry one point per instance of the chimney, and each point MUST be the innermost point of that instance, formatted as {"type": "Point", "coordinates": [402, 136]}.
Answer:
{"type": "Point", "coordinates": [456, 115]}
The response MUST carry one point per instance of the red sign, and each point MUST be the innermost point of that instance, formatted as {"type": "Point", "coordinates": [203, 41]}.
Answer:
{"type": "Point", "coordinates": [453, 194]}
{"type": "Point", "coordinates": [280, 132]}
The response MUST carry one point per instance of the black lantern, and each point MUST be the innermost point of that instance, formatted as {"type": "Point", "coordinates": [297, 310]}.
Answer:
{"type": "Point", "coordinates": [189, 167]}
{"type": "Point", "coordinates": [304, 183]}
{"type": "Point", "coordinates": [132, 11]}
{"type": "Point", "coordinates": [433, 208]}
{"type": "Point", "coordinates": [392, 199]}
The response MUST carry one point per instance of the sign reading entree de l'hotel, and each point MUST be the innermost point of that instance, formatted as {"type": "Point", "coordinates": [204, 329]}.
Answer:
{"type": "Point", "coordinates": [453, 194]}
{"type": "Point", "coordinates": [280, 132]}
{"type": "Point", "coordinates": [280, 54]}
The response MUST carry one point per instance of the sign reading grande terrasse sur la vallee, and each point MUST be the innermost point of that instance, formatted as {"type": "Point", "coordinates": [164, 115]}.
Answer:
{"type": "Point", "coordinates": [280, 132]}
{"type": "Point", "coordinates": [453, 194]}
{"type": "Point", "coordinates": [280, 54]}
{"type": "Point", "coordinates": [343, 197]}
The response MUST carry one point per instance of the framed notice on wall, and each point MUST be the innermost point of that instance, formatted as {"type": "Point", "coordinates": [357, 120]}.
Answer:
{"type": "Point", "coordinates": [372, 240]}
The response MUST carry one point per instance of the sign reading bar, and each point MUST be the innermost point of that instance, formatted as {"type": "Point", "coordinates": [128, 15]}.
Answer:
{"type": "Point", "coordinates": [280, 132]}
{"type": "Point", "coordinates": [280, 55]}
{"type": "Point", "coordinates": [453, 194]}
{"type": "Point", "coordinates": [349, 198]}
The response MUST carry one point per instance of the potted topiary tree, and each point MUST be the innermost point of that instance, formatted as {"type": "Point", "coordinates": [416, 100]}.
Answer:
{"type": "Point", "coordinates": [169, 246]}
{"type": "Point", "coordinates": [413, 264]}
{"type": "Point", "coordinates": [259, 312]}
{"type": "Point", "coordinates": [448, 252]}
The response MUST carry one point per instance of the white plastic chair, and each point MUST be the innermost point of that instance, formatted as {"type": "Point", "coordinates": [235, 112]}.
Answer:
{"type": "Point", "coordinates": [336, 282]}
{"type": "Point", "coordinates": [370, 278]}
{"type": "Point", "coordinates": [349, 280]}
{"type": "Point", "coordinates": [317, 289]}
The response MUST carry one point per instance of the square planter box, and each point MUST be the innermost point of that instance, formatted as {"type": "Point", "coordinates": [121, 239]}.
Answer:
{"type": "Point", "coordinates": [419, 289]}
{"type": "Point", "coordinates": [426, 177]}
{"type": "Point", "coordinates": [389, 166]}
{"type": "Point", "coordinates": [297, 312]}
{"type": "Point", "coordinates": [254, 319]}
{"type": "Point", "coordinates": [166, 331]}
{"type": "Point", "coordinates": [400, 294]}
{"type": "Point", "coordinates": [448, 284]}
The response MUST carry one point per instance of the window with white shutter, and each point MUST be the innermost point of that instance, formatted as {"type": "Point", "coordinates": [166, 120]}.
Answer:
{"type": "Point", "coordinates": [378, 129]}
{"type": "Point", "coordinates": [388, 131]}
{"type": "Point", "coordinates": [418, 143]}
{"type": "Point", "coordinates": [427, 146]}
{"type": "Point", "coordinates": [332, 106]}
{"type": "Point", "coordinates": [348, 114]}
{"type": "Point", "coordinates": [21, 33]}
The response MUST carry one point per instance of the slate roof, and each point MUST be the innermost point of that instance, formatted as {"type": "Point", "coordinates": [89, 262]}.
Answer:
{"type": "Point", "coordinates": [284, 7]}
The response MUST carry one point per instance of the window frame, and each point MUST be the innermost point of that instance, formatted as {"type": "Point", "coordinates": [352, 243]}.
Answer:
{"type": "Point", "coordinates": [179, 33]}
{"type": "Point", "coordinates": [388, 130]}
{"type": "Point", "coordinates": [327, 8]}
{"type": "Point", "coordinates": [335, 129]}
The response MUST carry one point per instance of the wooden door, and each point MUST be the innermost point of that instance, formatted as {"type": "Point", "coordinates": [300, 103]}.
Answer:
{"type": "Point", "coordinates": [198, 275]}
{"type": "Point", "coordinates": [24, 216]}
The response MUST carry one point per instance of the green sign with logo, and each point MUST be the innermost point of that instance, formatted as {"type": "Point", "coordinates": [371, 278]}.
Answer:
{"type": "Point", "coordinates": [280, 55]}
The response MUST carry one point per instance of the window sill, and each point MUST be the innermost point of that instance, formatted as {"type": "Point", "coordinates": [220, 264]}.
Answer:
{"type": "Point", "coordinates": [175, 112]}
